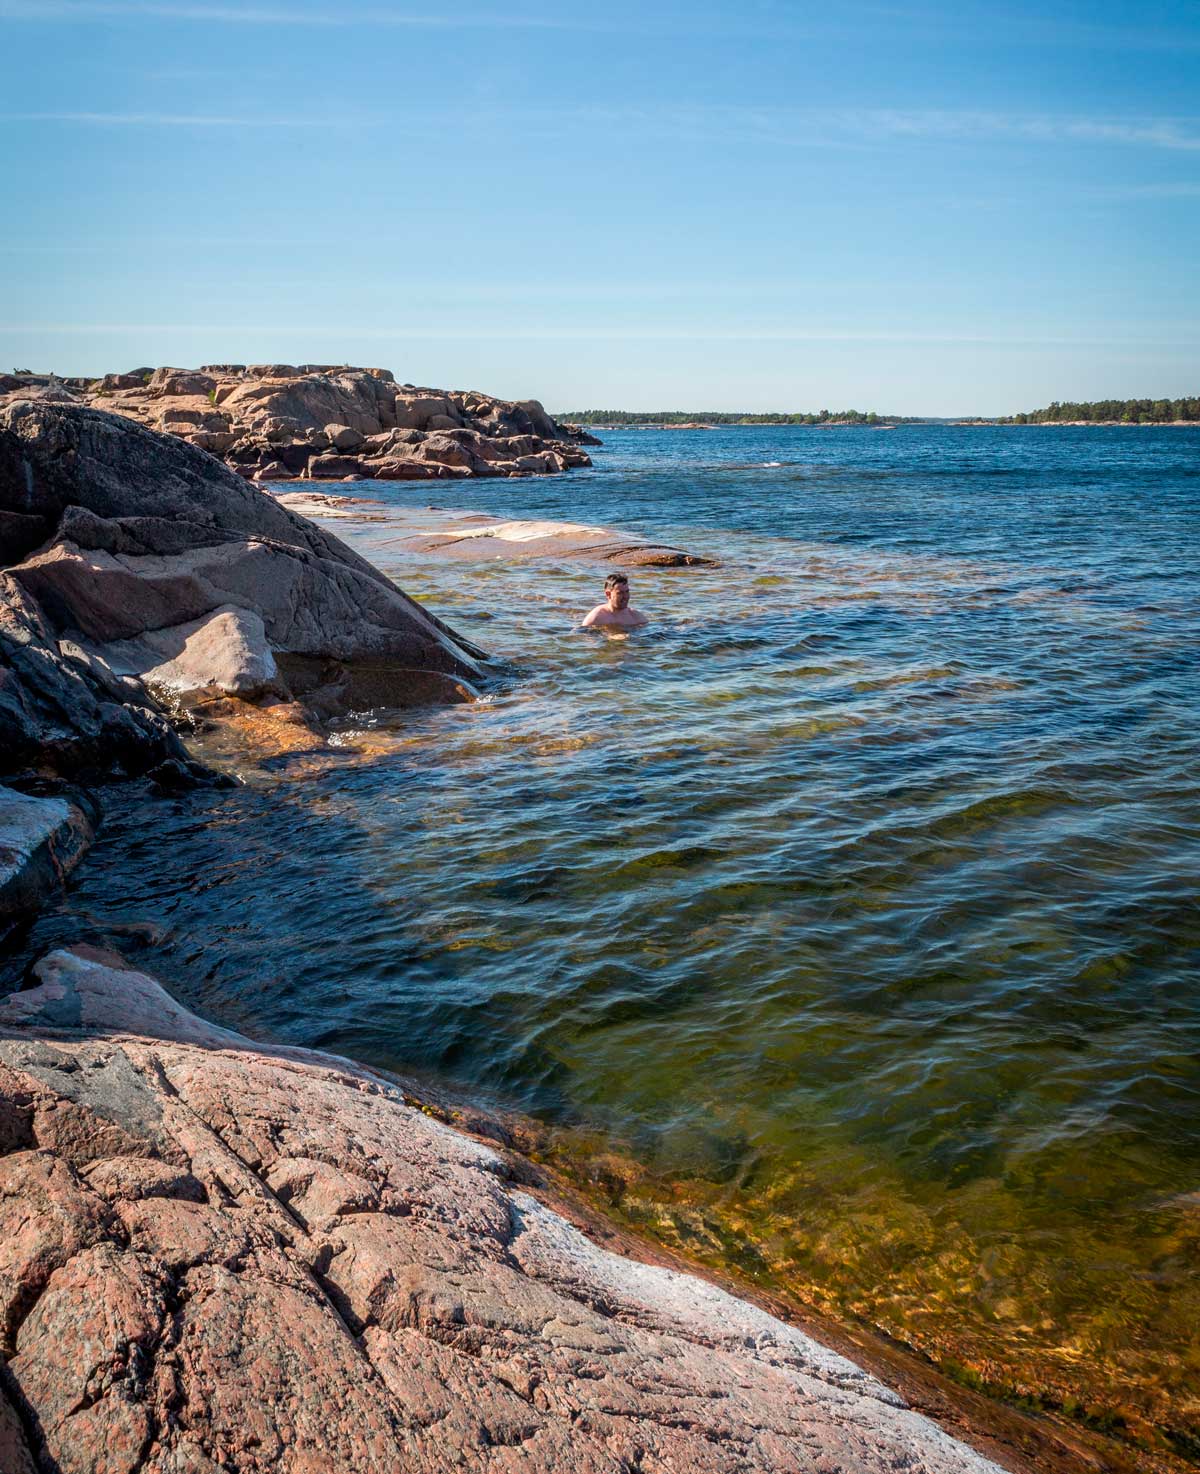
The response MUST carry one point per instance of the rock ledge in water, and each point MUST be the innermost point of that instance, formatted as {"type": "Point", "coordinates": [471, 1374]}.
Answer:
{"type": "Point", "coordinates": [474, 536]}
{"type": "Point", "coordinates": [215, 1255]}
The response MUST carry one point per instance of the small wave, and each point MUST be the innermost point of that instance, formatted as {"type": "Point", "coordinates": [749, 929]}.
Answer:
{"type": "Point", "coordinates": [748, 465]}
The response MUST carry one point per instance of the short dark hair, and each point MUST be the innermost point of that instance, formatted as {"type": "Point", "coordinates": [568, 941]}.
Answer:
{"type": "Point", "coordinates": [613, 579]}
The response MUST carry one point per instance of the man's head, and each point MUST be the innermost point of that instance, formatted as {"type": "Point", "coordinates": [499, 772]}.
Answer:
{"type": "Point", "coordinates": [616, 591]}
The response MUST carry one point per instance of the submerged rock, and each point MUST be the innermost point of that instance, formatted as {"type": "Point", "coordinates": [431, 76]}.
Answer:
{"type": "Point", "coordinates": [216, 1255]}
{"type": "Point", "coordinates": [471, 536]}
{"type": "Point", "coordinates": [143, 572]}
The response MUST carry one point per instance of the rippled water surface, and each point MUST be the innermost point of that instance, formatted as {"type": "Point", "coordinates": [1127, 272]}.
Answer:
{"type": "Point", "coordinates": [852, 904]}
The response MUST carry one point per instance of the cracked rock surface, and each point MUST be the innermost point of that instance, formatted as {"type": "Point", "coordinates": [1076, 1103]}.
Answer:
{"type": "Point", "coordinates": [217, 1255]}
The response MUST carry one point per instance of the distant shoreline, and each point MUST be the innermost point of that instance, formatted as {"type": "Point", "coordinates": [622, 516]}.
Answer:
{"type": "Point", "coordinates": [1003, 424]}
{"type": "Point", "coordinates": [1182, 411]}
{"type": "Point", "coordinates": [1008, 424]}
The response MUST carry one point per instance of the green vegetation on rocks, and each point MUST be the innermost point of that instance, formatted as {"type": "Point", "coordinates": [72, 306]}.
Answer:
{"type": "Point", "coordinates": [1110, 411]}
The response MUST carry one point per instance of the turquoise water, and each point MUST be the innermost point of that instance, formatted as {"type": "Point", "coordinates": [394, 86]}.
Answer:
{"type": "Point", "coordinates": [851, 909]}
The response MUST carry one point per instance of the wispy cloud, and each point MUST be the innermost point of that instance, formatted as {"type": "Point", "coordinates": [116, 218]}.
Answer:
{"type": "Point", "coordinates": [790, 128]}
{"type": "Point", "coordinates": [175, 120]}
{"type": "Point", "coordinates": [330, 17]}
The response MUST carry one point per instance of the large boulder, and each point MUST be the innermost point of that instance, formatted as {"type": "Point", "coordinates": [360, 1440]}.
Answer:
{"type": "Point", "coordinates": [227, 649]}
{"type": "Point", "coordinates": [140, 567]}
{"type": "Point", "coordinates": [413, 410]}
{"type": "Point", "coordinates": [355, 400]}
{"type": "Point", "coordinates": [169, 382]}
{"type": "Point", "coordinates": [539, 420]}
{"type": "Point", "coordinates": [344, 437]}
{"type": "Point", "coordinates": [333, 467]}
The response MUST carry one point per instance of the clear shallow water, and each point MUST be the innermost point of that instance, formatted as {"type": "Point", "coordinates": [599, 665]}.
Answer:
{"type": "Point", "coordinates": [854, 901]}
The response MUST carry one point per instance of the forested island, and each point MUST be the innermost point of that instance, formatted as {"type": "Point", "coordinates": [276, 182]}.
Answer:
{"type": "Point", "coordinates": [1065, 412]}
{"type": "Point", "coordinates": [616, 418]}
{"type": "Point", "coordinates": [1111, 411]}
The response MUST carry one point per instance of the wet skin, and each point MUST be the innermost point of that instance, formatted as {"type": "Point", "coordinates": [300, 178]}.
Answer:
{"type": "Point", "coordinates": [615, 612]}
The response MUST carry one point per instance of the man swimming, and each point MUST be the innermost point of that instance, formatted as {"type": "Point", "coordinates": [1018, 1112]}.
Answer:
{"type": "Point", "coordinates": [615, 612]}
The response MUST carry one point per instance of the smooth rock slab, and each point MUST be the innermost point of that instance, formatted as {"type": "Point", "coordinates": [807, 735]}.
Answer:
{"type": "Point", "coordinates": [475, 536]}
{"type": "Point", "coordinates": [263, 1259]}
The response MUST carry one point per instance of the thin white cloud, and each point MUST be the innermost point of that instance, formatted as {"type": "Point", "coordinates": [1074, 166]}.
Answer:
{"type": "Point", "coordinates": [172, 120]}
{"type": "Point", "coordinates": [792, 128]}
{"type": "Point", "coordinates": [332, 17]}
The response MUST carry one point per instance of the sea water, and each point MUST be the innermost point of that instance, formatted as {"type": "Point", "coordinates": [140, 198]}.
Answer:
{"type": "Point", "coordinates": [847, 915]}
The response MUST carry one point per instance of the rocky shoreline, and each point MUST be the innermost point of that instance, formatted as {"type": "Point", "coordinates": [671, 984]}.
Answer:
{"type": "Point", "coordinates": [318, 422]}
{"type": "Point", "coordinates": [216, 1254]}
{"type": "Point", "coordinates": [220, 1255]}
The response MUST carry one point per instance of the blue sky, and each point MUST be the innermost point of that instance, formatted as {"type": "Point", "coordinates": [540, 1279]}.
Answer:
{"type": "Point", "coordinates": [927, 208]}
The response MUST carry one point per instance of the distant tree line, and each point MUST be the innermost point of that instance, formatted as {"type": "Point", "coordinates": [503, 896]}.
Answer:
{"type": "Point", "coordinates": [720, 417]}
{"type": "Point", "coordinates": [1126, 411]}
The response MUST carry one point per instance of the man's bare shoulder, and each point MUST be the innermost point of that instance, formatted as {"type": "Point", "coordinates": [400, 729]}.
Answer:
{"type": "Point", "coordinates": [616, 619]}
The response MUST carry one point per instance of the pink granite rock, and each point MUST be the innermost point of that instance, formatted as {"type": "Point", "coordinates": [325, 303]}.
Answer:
{"type": "Point", "coordinates": [262, 1259]}
{"type": "Point", "coordinates": [265, 415]}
